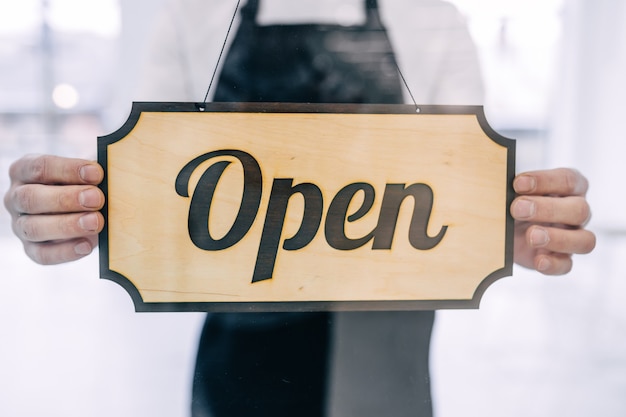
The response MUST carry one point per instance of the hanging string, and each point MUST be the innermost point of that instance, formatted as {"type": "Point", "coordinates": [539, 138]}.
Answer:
{"type": "Point", "coordinates": [230, 26]}
{"type": "Point", "coordinates": [406, 85]}
{"type": "Point", "coordinates": [219, 58]}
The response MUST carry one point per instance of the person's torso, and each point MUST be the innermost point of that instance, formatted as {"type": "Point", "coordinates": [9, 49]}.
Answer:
{"type": "Point", "coordinates": [312, 63]}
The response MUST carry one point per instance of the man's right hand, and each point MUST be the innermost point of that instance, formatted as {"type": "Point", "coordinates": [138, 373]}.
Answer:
{"type": "Point", "coordinates": [54, 204]}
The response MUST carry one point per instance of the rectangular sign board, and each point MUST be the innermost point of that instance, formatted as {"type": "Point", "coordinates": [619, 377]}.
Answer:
{"type": "Point", "coordinates": [303, 207]}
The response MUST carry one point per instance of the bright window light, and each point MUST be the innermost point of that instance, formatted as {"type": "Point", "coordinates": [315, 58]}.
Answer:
{"type": "Point", "coordinates": [65, 96]}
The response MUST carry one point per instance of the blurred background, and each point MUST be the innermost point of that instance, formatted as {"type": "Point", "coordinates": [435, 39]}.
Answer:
{"type": "Point", "coordinates": [72, 345]}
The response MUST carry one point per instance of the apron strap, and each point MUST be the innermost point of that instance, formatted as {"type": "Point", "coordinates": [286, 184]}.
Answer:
{"type": "Point", "coordinates": [251, 9]}
{"type": "Point", "coordinates": [373, 16]}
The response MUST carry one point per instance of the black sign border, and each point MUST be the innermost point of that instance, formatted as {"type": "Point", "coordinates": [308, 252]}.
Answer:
{"type": "Point", "coordinates": [300, 306]}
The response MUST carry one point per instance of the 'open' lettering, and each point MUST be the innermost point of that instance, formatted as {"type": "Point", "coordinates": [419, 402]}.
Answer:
{"type": "Point", "coordinates": [282, 190]}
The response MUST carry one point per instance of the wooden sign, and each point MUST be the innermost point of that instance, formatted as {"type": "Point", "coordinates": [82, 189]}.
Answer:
{"type": "Point", "coordinates": [278, 207]}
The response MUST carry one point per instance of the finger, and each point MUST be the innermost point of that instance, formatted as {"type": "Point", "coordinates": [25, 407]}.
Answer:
{"type": "Point", "coordinates": [558, 240]}
{"type": "Point", "coordinates": [49, 169]}
{"type": "Point", "coordinates": [572, 211]}
{"type": "Point", "coordinates": [52, 253]}
{"type": "Point", "coordinates": [44, 199]}
{"type": "Point", "coordinates": [553, 263]}
{"type": "Point", "coordinates": [43, 228]}
{"type": "Point", "coordinates": [560, 181]}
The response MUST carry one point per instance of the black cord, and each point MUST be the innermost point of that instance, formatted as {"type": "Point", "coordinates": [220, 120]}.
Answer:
{"type": "Point", "coordinates": [206, 96]}
{"type": "Point", "coordinates": [417, 109]}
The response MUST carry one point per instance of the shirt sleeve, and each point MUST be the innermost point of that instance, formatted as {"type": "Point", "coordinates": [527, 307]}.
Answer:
{"type": "Point", "coordinates": [459, 79]}
{"type": "Point", "coordinates": [184, 49]}
{"type": "Point", "coordinates": [164, 74]}
{"type": "Point", "coordinates": [435, 52]}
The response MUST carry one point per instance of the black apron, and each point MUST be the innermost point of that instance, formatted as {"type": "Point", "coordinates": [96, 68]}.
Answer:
{"type": "Point", "coordinates": [277, 364]}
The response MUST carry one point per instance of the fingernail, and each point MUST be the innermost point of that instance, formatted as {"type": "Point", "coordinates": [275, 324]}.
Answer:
{"type": "Point", "coordinates": [90, 199]}
{"type": "Point", "coordinates": [83, 248]}
{"type": "Point", "coordinates": [544, 265]}
{"type": "Point", "coordinates": [90, 174]}
{"type": "Point", "coordinates": [539, 237]}
{"type": "Point", "coordinates": [524, 184]}
{"type": "Point", "coordinates": [523, 209]}
{"type": "Point", "coordinates": [89, 222]}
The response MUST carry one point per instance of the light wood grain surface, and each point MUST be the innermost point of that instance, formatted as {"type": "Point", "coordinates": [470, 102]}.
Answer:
{"type": "Point", "coordinates": [148, 239]}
